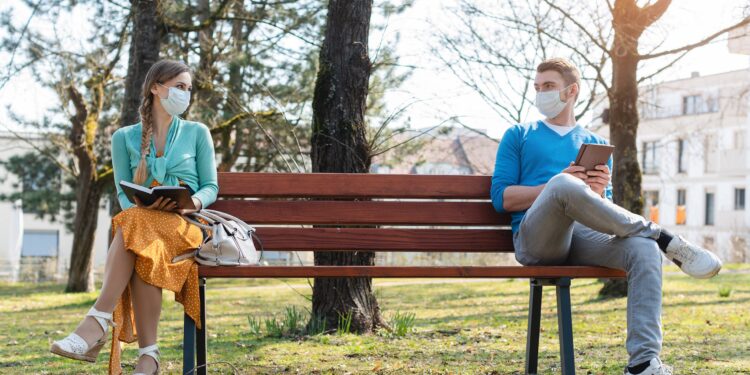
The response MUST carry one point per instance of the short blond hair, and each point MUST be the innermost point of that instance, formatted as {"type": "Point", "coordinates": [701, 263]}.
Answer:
{"type": "Point", "coordinates": [565, 67]}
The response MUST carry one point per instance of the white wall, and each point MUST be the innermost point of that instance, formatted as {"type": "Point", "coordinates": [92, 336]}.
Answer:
{"type": "Point", "coordinates": [9, 146]}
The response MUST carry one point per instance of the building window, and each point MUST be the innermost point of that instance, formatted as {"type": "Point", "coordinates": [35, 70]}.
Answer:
{"type": "Point", "coordinates": [39, 254]}
{"type": "Point", "coordinates": [712, 104]}
{"type": "Point", "coordinates": [709, 209]}
{"type": "Point", "coordinates": [649, 157]}
{"type": "Point", "coordinates": [681, 218]}
{"type": "Point", "coordinates": [691, 104]}
{"type": "Point", "coordinates": [681, 197]}
{"type": "Point", "coordinates": [739, 199]}
{"type": "Point", "coordinates": [38, 243]}
{"type": "Point", "coordinates": [651, 206]}
{"type": "Point", "coordinates": [681, 168]}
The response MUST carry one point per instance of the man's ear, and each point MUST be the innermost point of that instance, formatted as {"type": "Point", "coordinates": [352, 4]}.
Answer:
{"type": "Point", "coordinates": [574, 90]}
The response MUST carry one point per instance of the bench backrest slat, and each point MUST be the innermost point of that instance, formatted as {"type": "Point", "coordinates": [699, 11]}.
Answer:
{"type": "Point", "coordinates": [351, 185]}
{"type": "Point", "coordinates": [422, 213]}
{"type": "Point", "coordinates": [363, 212]}
{"type": "Point", "coordinates": [438, 240]}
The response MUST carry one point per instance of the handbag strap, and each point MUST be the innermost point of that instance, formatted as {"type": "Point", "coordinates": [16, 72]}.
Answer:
{"type": "Point", "coordinates": [193, 216]}
{"type": "Point", "coordinates": [224, 217]}
{"type": "Point", "coordinates": [182, 257]}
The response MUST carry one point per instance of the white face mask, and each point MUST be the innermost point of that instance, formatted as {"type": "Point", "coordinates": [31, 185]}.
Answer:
{"type": "Point", "coordinates": [176, 101]}
{"type": "Point", "coordinates": [549, 103]}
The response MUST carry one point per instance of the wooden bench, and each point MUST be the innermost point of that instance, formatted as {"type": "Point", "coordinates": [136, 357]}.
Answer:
{"type": "Point", "coordinates": [456, 209]}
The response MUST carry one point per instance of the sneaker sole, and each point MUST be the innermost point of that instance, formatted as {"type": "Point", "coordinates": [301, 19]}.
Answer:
{"type": "Point", "coordinates": [706, 276]}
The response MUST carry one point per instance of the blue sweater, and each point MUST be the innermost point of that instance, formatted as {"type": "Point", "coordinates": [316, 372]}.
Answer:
{"type": "Point", "coordinates": [531, 154]}
{"type": "Point", "coordinates": [188, 157]}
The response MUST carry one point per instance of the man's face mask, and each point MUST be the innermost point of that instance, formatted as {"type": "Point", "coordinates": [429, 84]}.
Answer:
{"type": "Point", "coordinates": [549, 103]}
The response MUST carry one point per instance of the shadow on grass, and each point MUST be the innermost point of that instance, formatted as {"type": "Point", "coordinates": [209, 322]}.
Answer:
{"type": "Point", "coordinates": [85, 304]}
{"type": "Point", "coordinates": [26, 289]}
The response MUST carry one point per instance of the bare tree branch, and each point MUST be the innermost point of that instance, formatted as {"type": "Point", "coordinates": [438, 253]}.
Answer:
{"type": "Point", "coordinates": [703, 42]}
{"type": "Point", "coordinates": [599, 43]}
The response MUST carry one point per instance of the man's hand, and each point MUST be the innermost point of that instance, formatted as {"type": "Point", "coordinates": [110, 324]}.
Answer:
{"type": "Point", "coordinates": [161, 203]}
{"type": "Point", "coordinates": [598, 178]}
{"type": "Point", "coordinates": [576, 170]}
{"type": "Point", "coordinates": [185, 211]}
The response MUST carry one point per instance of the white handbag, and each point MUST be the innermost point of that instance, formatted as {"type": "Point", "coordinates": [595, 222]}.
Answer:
{"type": "Point", "coordinates": [229, 242]}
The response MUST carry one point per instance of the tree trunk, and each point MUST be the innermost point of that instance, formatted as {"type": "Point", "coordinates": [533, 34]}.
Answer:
{"type": "Point", "coordinates": [339, 145]}
{"type": "Point", "coordinates": [144, 52]}
{"type": "Point", "coordinates": [87, 213]}
{"type": "Point", "coordinates": [229, 153]}
{"type": "Point", "coordinates": [623, 124]}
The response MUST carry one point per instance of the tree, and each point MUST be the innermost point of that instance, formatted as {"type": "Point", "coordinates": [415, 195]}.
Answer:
{"type": "Point", "coordinates": [86, 85]}
{"type": "Point", "coordinates": [339, 144]}
{"type": "Point", "coordinates": [610, 34]}
{"type": "Point", "coordinates": [145, 42]}
{"type": "Point", "coordinates": [253, 79]}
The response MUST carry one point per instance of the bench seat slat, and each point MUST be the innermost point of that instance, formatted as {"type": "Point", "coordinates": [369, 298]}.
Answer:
{"type": "Point", "coordinates": [381, 239]}
{"type": "Point", "coordinates": [396, 271]}
{"type": "Point", "coordinates": [352, 185]}
{"type": "Point", "coordinates": [362, 212]}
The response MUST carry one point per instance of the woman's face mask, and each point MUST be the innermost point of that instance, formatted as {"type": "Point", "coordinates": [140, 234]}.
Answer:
{"type": "Point", "coordinates": [176, 101]}
{"type": "Point", "coordinates": [549, 103]}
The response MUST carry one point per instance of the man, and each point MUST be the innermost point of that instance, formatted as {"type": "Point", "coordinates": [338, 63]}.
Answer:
{"type": "Point", "coordinates": [563, 214]}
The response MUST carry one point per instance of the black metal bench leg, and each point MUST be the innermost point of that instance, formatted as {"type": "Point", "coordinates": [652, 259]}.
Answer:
{"type": "Point", "coordinates": [532, 334]}
{"type": "Point", "coordinates": [201, 333]}
{"type": "Point", "coordinates": [565, 326]}
{"type": "Point", "coordinates": [188, 345]}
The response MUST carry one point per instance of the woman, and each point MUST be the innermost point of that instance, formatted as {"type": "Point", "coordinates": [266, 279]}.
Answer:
{"type": "Point", "coordinates": [162, 149]}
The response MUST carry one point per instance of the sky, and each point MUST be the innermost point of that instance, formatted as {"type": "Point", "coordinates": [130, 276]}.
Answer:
{"type": "Point", "coordinates": [436, 94]}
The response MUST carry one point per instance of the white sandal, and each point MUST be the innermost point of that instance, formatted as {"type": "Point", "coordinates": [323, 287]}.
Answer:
{"type": "Point", "coordinates": [153, 352]}
{"type": "Point", "coordinates": [75, 347]}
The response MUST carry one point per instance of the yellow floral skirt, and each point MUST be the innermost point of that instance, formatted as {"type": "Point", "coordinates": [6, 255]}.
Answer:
{"type": "Point", "coordinates": [155, 237]}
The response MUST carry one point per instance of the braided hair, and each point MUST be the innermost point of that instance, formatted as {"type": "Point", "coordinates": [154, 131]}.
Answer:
{"type": "Point", "coordinates": [160, 72]}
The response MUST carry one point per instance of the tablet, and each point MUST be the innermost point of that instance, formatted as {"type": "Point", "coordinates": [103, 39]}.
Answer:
{"type": "Point", "coordinates": [592, 154]}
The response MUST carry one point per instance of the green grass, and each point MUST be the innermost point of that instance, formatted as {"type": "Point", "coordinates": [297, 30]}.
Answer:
{"type": "Point", "coordinates": [458, 328]}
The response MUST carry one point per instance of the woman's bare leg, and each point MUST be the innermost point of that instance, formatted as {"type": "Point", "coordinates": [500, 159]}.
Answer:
{"type": "Point", "coordinates": [117, 272]}
{"type": "Point", "coordinates": [147, 309]}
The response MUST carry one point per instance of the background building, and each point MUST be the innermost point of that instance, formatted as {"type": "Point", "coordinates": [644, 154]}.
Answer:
{"type": "Point", "coordinates": [34, 249]}
{"type": "Point", "coordinates": [692, 144]}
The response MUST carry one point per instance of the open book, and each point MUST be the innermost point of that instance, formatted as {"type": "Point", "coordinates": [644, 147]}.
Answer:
{"type": "Point", "coordinates": [179, 194]}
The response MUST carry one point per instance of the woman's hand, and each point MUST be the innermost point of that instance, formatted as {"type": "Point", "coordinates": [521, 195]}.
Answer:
{"type": "Point", "coordinates": [185, 211]}
{"type": "Point", "coordinates": [161, 203]}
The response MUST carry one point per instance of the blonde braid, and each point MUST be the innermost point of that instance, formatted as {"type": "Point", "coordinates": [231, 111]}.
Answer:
{"type": "Point", "coordinates": [141, 173]}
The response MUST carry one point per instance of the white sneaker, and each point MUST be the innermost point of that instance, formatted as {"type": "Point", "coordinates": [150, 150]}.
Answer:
{"type": "Point", "coordinates": [655, 367]}
{"type": "Point", "coordinates": [692, 259]}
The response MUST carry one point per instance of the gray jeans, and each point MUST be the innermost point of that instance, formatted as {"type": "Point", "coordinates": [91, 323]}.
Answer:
{"type": "Point", "coordinates": [570, 224]}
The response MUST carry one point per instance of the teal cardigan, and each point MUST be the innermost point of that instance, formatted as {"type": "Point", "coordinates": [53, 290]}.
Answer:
{"type": "Point", "coordinates": [188, 157]}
